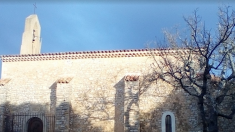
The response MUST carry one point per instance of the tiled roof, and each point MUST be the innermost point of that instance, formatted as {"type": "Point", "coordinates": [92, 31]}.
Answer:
{"type": "Point", "coordinates": [131, 78]}
{"type": "Point", "coordinates": [215, 79]}
{"type": "Point", "coordinates": [90, 54]}
{"type": "Point", "coordinates": [64, 80]}
{"type": "Point", "coordinates": [4, 81]}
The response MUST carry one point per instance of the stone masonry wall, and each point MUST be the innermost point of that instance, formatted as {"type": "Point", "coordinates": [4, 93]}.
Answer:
{"type": "Point", "coordinates": [131, 107]}
{"type": "Point", "coordinates": [62, 107]}
{"type": "Point", "coordinates": [3, 96]}
{"type": "Point", "coordinates": [161, 97]}
{"type": "Point", "coordinates": [94, 100]}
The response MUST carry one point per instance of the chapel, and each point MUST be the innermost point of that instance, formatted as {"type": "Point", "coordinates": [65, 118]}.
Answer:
{"type": "Point", "coordinates": [88, 91]}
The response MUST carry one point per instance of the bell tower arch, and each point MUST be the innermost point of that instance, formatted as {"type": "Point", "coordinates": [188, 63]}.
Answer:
{"type": "Point", "coordinates": [31, 43]}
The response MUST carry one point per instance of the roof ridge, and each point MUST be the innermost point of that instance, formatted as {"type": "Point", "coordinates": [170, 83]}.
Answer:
{"type": "Point", "coordinates": [90, 51]}
{"type": "Point", "coordinates": [89, 54]}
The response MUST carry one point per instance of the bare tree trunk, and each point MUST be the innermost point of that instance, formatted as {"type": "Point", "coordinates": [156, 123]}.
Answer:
{"type": "Point", "coordinates": [206, 70]}
{"type": "Point", "coordinates": [212, 123]}
{"type": "Point", "coordinates": [203, 116]}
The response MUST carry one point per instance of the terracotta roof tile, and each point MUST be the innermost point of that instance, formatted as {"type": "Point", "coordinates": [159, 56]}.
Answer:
{"type": "Point", "coordinates": [4, 81]}
{"type": "Point", "coordinates": [89, 54]}
{"type": "Point", "coordinates": [215, 79]}
{"type": "Point", "coordinates": [131, 78]}
{"type": "Point", "coordinates": [64, 80]}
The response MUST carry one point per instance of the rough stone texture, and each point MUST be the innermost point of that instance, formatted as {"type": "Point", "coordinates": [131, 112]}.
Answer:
{"type": "Point", "coordinates": [162, 97]}
{"type": "Point", "coordinates": [62, 107]}
{"type": "Point", "coordinates": [3, 96]}
{"type": "Point", "coordinates": [97, 96]}
{"type": "Point", "coordinates": [227, 125]}
{"type": "Point", "coordinates": [131, 108]}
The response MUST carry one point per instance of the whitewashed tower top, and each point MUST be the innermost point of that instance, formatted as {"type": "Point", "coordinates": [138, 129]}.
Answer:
{"type": "Point", "coordinates": [31, 37]}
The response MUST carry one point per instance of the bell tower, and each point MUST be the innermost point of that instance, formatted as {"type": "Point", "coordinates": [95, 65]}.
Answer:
{"type": "Point", "coordinates": [31, 43]}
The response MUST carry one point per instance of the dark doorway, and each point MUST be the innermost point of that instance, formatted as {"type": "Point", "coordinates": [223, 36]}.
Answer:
{"type": "Point", "coordinates": [35, 125]}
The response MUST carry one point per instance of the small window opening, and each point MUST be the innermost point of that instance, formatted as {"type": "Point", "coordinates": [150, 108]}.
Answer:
{"type": "Point", "coordinates": [168, 123]}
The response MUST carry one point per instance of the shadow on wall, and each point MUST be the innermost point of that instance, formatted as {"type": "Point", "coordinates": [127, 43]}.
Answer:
{"type": "Point", "coordinates": [158, 98]}
{"type": "Point", "coordinates": [65, 117]}
{"type": "Point", "coordinates": [17, 117]}
{"type": "Point", "coordinates": [29, 116]}
{"type": "Point", "coordinates": [119, 106]}
{"type": "Point", "coordinates": [140, 105]}
{"type": "Point", "coordinates": [182, 105]}
{"type": "Point", "coordinates": [53, 98]}
{"type": "Point", "coordinates": [128, 109]}
{"type": "Point", "coordinates": [100, 109]}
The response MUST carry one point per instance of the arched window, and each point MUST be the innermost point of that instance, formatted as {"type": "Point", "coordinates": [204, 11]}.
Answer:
{"type": "Point", "coordinates": [168, 122]}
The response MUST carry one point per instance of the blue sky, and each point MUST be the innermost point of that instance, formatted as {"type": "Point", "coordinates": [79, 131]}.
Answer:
{"type": "Point", "coordinates": [86, 26]}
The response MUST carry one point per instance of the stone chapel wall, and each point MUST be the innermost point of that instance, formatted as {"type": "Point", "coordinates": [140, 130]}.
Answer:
{"type": "Point", "coordinates": [96, 96]}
